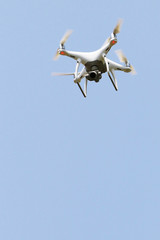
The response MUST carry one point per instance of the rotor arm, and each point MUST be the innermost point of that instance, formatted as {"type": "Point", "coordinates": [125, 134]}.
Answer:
{"type": "Point", "coordinates": [108, 44]}
{"type": "Point", "coordinates": [112, 40]}
{"type": "Point", "coordinates": [116, 66]}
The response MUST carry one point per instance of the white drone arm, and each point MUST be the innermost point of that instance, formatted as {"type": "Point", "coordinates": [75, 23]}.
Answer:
{"type": "Point", "coordinates": [112, 40]}
{"type": "Point", "coordinates": [108, 44]}
{"type": "Point", "coordinates": [116, 66]}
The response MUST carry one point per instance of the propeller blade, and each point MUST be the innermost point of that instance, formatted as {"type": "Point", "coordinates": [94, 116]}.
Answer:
{"type": "Point", "coordinates": [117, 27]}
{"type": "Point", "coordinates": [133, 71]}
{"type": "Point", "coordinates": [65, 37]}
{"type": "Point", "coordinates": [123, 59]}
{"type": "Point", "coordinates": [62, 42]}
{"type": "Point", "coordinates": [56, 56]}
{"type": "Point", "coordinates": [121, 56]}
{"type": "Point", "coordinates": [62, 74]}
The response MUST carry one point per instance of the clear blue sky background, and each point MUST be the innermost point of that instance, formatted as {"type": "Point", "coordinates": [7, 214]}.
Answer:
{"type": "Point", "coordinates": [74, 168]}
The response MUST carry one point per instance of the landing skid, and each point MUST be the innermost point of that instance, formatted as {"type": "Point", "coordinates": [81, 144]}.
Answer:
{"type": "Point", "coordinates": [81, 90]}
{"type": "Point", "coordinates": [84, 92]}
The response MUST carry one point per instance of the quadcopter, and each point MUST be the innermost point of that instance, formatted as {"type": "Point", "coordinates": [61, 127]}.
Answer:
{"type": "Point", "coordinates": [95, 63]}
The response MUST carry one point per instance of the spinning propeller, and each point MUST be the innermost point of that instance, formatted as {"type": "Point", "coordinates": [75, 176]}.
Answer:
{"type": "Point", "coordinates": [62, 74]}
{"type": "Point", "coordinates": [62, 42]}
{"type": "Point", "coordinates": [115, 31]}
{"type": "Point", "coordinates": [118, 27]}
{"type": "Point", "coordinates": [123, 59]}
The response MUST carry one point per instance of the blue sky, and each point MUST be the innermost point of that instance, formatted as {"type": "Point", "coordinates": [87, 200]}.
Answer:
{"type": "Point", "coordinates": [75, 168]}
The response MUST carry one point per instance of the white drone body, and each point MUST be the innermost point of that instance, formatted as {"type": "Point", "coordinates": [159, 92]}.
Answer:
{"type": "Point", "coordinates": [95, 63]}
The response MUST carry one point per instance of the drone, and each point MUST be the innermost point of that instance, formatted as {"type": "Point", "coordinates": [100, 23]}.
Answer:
{"type": "Point", "coordinates": [95, 63]}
